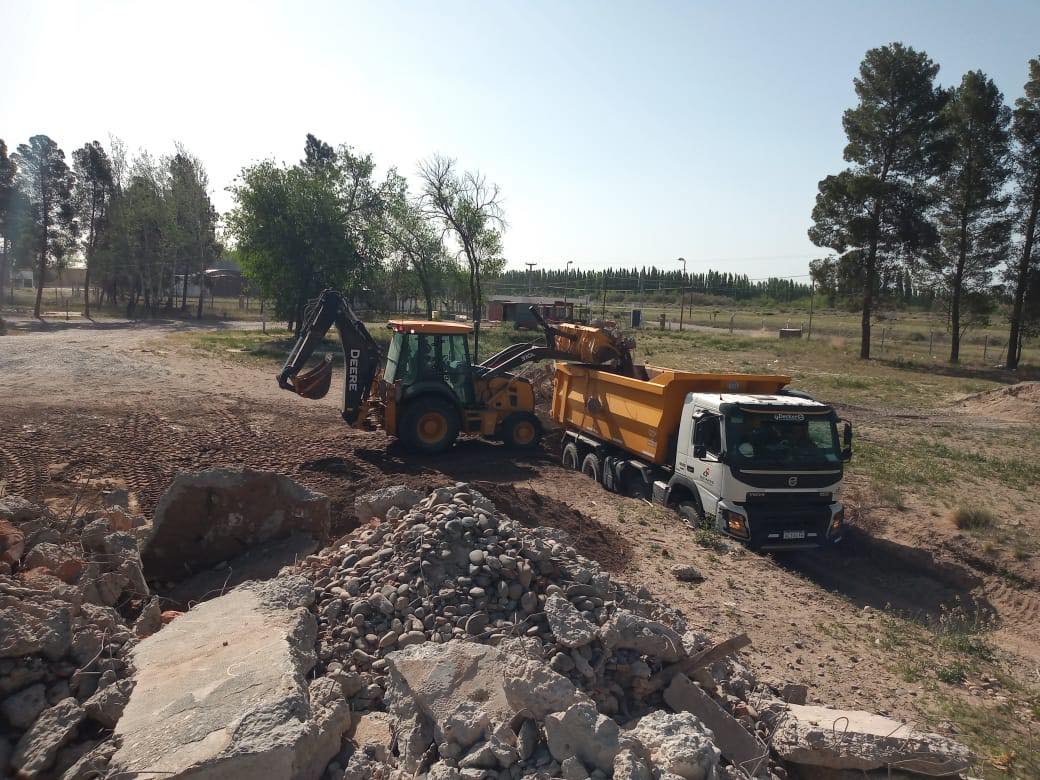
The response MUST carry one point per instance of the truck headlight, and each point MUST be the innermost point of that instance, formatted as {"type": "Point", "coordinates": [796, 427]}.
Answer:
{"type": "Point", "coordinates": [836, 521]}
{"type": "Point", "coordinates": [736, 524]}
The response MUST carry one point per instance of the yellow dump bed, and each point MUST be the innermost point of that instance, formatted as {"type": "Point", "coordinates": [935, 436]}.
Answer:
{"type": "Point", "coordinates": [640, 416]}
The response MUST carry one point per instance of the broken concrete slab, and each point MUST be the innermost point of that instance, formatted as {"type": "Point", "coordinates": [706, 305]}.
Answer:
{"type": "Point", "coordinates": [736, 743]}
{"type": "Point", "coordinates": [215, 515]}
{"type": "Point", "coordinates": [568, 625]}
{"type": "Point", "coordinates": [678, 743]}
{"type": "Point", "coordinates": [852, 739]}
{"type": "Point", "coordinates": [580, 731]}
{"type": "Point", "coordinates": [37, 749]}
{"type": "Point", "coordinates": [466, 689]}
{"type": "Point", "coordinates": [222, 692]}
{"type": "Point", "coordinates": [626, 630]}
{"type": "Point", "coordinates": [379, 502]}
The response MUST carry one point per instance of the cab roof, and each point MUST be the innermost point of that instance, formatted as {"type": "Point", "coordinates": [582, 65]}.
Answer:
{"type": "Point", "coordinates": [428, 326]}
{"type": "Point", "coordinates": [715, 400]}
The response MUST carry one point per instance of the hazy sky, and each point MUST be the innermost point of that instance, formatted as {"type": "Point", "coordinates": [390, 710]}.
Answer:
{"type": "Point", "coordinates": [620, 133]}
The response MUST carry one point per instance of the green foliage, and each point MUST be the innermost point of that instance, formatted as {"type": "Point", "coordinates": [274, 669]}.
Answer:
{"type": "Point", "coordinates": [306, 227]}
{"type": "Point", "coordinates": [95, 185]}
{"type": "Point", "coordinates": [873, 213]}
{"type": "Point", "coordinates": [49, 230]}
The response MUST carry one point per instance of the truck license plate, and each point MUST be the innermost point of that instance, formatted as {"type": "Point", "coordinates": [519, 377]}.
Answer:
{"type": "Point", "coordinates": [794, 534]}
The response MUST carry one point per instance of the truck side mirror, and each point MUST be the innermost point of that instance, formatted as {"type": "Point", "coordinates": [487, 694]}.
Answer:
{"type": "Point", "coordinates": [847, 434]}
{"type": "Point", "coordinates": [700, 451]}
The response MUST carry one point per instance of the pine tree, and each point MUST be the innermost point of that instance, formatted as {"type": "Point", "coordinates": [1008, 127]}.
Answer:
{"type": "Point", "coordinates": [974, 224]}
{"type": "Point", "coordinates": [873, 213]}
{"type": "Point", "coordinates": [1025, 127]}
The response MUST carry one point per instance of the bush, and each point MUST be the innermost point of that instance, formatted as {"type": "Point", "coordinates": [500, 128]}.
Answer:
{"type": "Point", "coordinates": [973, 518]}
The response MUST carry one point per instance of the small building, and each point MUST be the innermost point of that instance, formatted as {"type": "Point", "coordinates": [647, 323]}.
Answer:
{"type": "Point", "coordinates": [22, 278]}
{"type": "Point", "coordinates": [517, 309]}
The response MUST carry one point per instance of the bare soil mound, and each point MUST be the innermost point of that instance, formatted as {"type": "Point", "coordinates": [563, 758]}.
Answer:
{"type": "Point", "coordinates": [1020, 401]}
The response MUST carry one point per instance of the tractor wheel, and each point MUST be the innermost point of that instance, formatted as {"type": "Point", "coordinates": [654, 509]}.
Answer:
{"type": "Point", "coordinates": [521, 430]}
{"type": "Point", "coordinates": [429, 425]}
{"type": "Point", "coordinates": [591, 466]}
{"type": "Point", "coordinates": [569, 458]}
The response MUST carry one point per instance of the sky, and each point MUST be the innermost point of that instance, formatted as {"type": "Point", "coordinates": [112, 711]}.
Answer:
{"type": "Point", "coordinates": [620, 134]}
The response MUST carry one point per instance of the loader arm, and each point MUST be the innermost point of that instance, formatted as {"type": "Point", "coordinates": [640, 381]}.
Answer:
{"type": "Point", "coordinates": [361, 356]}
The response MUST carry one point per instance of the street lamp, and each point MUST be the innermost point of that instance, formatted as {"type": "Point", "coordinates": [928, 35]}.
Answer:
{"type": "Point", "coordinates": [682, 292]}
{"type": "Point", "coordinates": [566, 279]}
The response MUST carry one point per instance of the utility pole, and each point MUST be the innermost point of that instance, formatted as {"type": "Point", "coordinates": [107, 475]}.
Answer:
{"type": "Point", "coordinates": [566, 279]}
{"type": "Point", "coordinates": [682, 292]}
{"type": "Point", "coordinates": [530, 270]}
{"type": "Point", "coordinates": [812, 295]}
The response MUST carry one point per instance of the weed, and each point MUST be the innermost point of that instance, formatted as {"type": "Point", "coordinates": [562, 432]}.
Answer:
{"type": "Point", "coordinates": [953, 674]}
{"type": "Point", "coordinates": [973, 518]}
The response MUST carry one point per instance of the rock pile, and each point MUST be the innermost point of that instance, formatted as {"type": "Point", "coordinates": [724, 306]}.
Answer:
{"type": "Point", "coordinates": [73, 600]}
{"type": "Point", "coordinates": [535, 655]}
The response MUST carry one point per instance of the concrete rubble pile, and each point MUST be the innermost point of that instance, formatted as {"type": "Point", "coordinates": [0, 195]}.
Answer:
{"type": "Point", "coordinates": [73, 601]}
{"type": "Point", "coordinates": [470, 647]}
{"type": "Point", "coordinates": [438, 641]}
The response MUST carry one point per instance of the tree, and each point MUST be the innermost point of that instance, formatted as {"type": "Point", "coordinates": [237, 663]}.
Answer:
{"type": "Point", "coordinates": [1025, 127]}
{"type": "Point", "coordinates": [94, 186]}
{"type": "Point", "coordinates": [468, 206]}
{"type": "Point", "coordinates": [317, 154]}
{"type": "Point", "coordinates": [973, 220]}
{"type": "Point", "coordinates": [193, 219]}
{"type": "Point", "coordinates": [7, 204]}
{"type": "Point", "coordinates": [419, 244]}
{"type": "Point", "coordinates": [874, 211]}
{"type": "Point", "coordinates": [46, 182]}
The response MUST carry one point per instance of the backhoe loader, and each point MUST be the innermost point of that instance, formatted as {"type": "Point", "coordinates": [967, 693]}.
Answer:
{"type": "Point", "coordinates": [427, 391]}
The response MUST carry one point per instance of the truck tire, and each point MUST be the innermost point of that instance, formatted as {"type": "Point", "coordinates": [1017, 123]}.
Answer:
{"type": "Point", "coordinates": [521, 430]}
{"type": "Point", "coordinates": [591, 466]}
{"type": "Point", "coordinates": [691, 513]}
{"type": "Point", "coordinates": [569, 457]}
{"type": "Point", "coordinates": [429, 425]}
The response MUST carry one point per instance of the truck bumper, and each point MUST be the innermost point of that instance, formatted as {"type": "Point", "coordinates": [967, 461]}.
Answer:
{"type": "Point", "coordinates": [788, 527]}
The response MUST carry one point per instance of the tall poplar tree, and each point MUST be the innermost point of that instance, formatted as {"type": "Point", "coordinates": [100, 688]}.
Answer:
{"type": "Point", "coordinates": [94, 187]}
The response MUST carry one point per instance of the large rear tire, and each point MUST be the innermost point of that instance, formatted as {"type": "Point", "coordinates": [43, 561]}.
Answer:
{"type": "Point", "coordinates": [521, 430]}
{"type": "Point", "coordinates": [429, 425]}
{"type": "Point", "coordinates": [570, 458]}
{"type": "Point", "coordinates": [591, 466]}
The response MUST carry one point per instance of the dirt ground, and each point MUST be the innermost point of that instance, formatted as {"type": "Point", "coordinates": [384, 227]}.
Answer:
{"type": "Point", "coordinates": [111, 406]}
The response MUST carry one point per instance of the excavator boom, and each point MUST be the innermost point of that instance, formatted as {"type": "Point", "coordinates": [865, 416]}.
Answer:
{"type": "Point", "coordinates": [360, 356]}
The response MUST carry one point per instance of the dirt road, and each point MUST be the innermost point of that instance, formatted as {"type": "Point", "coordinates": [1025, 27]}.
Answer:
{"type": "Point", "coordinates": [122, 406]}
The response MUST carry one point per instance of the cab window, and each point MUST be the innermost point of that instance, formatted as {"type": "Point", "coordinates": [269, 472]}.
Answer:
{"type": "Point", "coordinates": [708, 432]}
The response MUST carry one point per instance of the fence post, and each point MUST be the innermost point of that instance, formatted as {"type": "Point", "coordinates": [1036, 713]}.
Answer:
{"type": "Point", "coordinates": [883, 332]}
{"type": "Point", "coordinates": [734, 314]}
{"type": "Point", "coordinates": [930, 334]}
{"type": "Point", "coordinates": [985, 348]}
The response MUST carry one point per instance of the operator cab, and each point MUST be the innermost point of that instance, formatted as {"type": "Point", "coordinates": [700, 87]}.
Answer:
{"type": "Point", "coordinates": [422, 352]}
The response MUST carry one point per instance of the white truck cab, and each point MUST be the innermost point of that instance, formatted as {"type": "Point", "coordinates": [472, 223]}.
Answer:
{"type": "Point", "coordinates": [764, 469]}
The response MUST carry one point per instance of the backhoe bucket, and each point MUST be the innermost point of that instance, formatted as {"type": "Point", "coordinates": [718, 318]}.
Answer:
{"type": "Point", "coordinates": [314, 383]}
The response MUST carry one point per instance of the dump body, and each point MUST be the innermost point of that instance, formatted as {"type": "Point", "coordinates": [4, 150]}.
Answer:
{"type": "Point", "coordinates": [641, 416]}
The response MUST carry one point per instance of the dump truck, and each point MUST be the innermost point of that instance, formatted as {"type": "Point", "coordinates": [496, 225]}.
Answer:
{"type": "Point", "coordinates": [740, 453]}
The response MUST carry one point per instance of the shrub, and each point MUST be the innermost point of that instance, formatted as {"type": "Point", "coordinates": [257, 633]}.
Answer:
{"type": "Point", "coordinates": [973, 518]}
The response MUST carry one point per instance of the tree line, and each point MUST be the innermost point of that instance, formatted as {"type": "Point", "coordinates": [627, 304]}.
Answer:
{"type": "Point", "coordinates": [141, 226]}
{"type": "Point", "coordinates": [648, 282]}
{"type": "Point", "coordinates": [942, 192]}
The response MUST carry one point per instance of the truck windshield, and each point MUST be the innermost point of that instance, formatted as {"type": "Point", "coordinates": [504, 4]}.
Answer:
{"type": "Point", "coordinates": [781, 440]}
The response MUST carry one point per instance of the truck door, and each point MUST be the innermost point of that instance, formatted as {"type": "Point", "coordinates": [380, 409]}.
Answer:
{"type": "Point", "coordinates": [706, 469]}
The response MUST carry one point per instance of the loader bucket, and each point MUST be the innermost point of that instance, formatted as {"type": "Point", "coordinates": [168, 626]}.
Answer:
{"type": "Point", "coordinates": [314, 383]}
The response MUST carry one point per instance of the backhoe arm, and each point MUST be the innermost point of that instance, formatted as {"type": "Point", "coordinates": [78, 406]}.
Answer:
{"type": "Point", "coordinates": [360, 356]}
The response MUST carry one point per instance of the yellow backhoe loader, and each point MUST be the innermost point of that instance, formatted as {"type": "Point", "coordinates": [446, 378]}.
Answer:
{"type": "Point", "coordinates": [427, 391]}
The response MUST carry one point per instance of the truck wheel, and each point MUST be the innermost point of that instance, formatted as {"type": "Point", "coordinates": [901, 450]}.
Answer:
{"type": "Point", "coordinates": [591, 467]}
{"type": "Point", "coordinates": [429, 425]}
{"type": "Point", "coordinates": [521, 429]}
{"type": "Point", "coordinates": [691, 513]}
{"type": "Point", "coordinates": [569, 458]}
